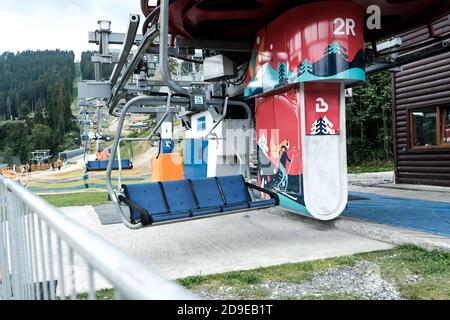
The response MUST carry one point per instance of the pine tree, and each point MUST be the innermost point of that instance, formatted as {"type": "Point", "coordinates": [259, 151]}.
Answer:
{"type": "Point", "coordinates": [305, 66]}
{"type": "Point", "coordinates": [282, 74]}
{"type": "Point", "coordinates": [8, 107]}
{"type": "Point", "coordinates": [39, 115]}
{"type": "Point", "coordinates": [24, 110]}
{"type": "Point", "coordinates": [50, 107]}
{"type": "Point", "coordinates": [322, 126]}
{"type": "Point", "coordinates": [336, 48]}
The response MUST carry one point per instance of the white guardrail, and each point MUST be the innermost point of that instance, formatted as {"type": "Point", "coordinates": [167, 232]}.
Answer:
{"type": "Point", "coordinates": [46, 255]}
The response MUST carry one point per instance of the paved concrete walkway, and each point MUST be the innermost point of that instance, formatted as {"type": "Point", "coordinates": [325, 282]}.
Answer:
{"type": "Point", "coordinates": [228, 243]}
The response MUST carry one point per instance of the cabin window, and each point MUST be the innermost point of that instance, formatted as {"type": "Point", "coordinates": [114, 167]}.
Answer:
{"type": "Point", "coordinates": [445, 126]}
{"type": "Point", "coordinates": [430, 127]}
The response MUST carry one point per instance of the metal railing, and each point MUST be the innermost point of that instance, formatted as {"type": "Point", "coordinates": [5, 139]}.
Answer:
{"type": "Point", "coordinates": [45, 255]}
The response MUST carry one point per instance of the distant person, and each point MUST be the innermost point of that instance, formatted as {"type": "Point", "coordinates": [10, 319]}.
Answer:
{"type": "Point", "coordinates": [59, 164]}
{"type": "Point", "coordinates": [85, 179]}
{"type": "Point", "coordinates": [53, 166]}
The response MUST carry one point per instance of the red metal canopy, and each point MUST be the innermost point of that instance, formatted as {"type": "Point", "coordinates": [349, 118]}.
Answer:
{"type": "Point", "coordinates": [239, 20]}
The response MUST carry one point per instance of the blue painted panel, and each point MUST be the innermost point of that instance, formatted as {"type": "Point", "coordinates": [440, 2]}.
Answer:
{"type": "Point", "coordinates": [167, 146]}
{"type": "Point", "coordinates": [195, 158]}
{"type": "Point", "coordinates": [420, 215]}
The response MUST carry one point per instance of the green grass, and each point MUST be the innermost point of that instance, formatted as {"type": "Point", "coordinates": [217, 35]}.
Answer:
{"type": "Point", "coordinates": [374, 167]}
{"type": "Point", "coordinates": [77, 199]}
{"type": "Point", "coordinates": [292, 272]}
{"type": "Point", "coordinates": [334, 296]}
{"type": "Point", "coordinates": [103, 294]}
{"type": "Point", "coordinates": [432, 268]}
{"type": "Point", "coordinates": [395, 265]}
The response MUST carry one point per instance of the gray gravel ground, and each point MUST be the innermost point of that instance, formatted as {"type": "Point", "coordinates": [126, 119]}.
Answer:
{"type": "Point", "coordinates": [362, 281]}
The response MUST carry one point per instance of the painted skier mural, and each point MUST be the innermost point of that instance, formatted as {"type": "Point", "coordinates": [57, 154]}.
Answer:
{"type": "Point", "coordinates": [279, 145]}
{"type": "Point", "coordinates": [275, 173]}
{"type": "Point", "coordinates": [282, 179]}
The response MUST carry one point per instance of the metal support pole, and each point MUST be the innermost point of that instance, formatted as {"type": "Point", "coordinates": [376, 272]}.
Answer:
{"type": "Point", "coordinates": [128, 44]}
{"type": "Point", "coordinates": [141, 100]}
{"type": "Point", "coordinates": [163, 48]}
{"type": "Point", "coordinates": [249, 126]}
{"type": "Point", "coordinates": [224, 114]}
{"type": "Point", "coordinates": [121, 82]}
{"type": "Point", "coordinates": [149, 138]}
{"type": "Point", "coordinates": [97, 71]}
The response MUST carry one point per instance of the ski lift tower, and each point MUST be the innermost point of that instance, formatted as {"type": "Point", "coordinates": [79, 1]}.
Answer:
{"type": "Point", "coordinates": [103, 56]}
{"type": "Point", "coordinates": [100, 88]}
{"type": "Point", "coordinates": [40, 156]}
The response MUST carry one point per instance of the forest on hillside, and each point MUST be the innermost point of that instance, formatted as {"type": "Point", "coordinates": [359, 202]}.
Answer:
{"type": "Point", "coordinates": [35, 97]}
{"type": "Point", "coordinates": [87, 67]}
{"type": "Point", "coordinates": [26, 77]}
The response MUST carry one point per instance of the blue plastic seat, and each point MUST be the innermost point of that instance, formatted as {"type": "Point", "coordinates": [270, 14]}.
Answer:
{"type": "Point", "coordinates": [180, 197]}
{"type": "Point", "coordinates": [183, 199]}
{"type": "Point", "coordinates": [93, 165]}
{"type": "Point", "coordinates": [209, 196]}
{"type": "Point", "coordinates": [208, 192]}
{"type": "Point", "coordinates": [148, 196]}
{"type": "Point", "coordinates": [102, 165]}
{"type": "Point", "coordinates": [235, 192]}
{"type": "Point", "coordinates": [126, 164]}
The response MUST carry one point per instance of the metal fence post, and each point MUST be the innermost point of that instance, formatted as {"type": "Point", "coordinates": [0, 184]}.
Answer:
{"type": "Point", "coordinates": [32, 235]}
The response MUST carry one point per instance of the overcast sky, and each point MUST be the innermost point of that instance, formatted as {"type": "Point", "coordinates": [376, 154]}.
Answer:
{"type": "Point", "coordinates": [59, 24]}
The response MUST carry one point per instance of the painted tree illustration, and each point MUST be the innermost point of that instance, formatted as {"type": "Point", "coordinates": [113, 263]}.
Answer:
{"type": "Point", "coordinates": [319, 127]}
{"type": "Point", "coordinates": [336, 48]}
{"type": "Point", "coordinates": [282, 74]}
{"type": "Point", "coordinates": [322, 126]}
{"type": "Point", "coordinates": [305, 66]}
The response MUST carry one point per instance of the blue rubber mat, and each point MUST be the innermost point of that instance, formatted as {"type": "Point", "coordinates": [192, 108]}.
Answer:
{"type": "Point", "coordinates": [420, 215]}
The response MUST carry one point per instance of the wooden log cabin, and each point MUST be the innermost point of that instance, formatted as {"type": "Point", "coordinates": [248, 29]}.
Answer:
{"type": "Point", "coordinates": [421, 112]}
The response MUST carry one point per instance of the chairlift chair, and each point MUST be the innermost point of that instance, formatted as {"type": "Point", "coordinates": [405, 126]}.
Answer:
{"type": "Point", "coordinates": [157, 203]}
